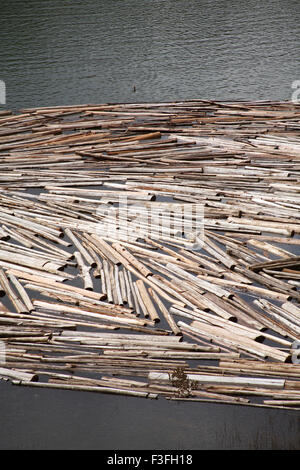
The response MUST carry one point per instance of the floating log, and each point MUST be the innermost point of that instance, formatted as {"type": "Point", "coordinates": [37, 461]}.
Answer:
{"type": "Point", "coordinates": [17, 375]}
{"type": "Point", "coordinates": [219, 252]}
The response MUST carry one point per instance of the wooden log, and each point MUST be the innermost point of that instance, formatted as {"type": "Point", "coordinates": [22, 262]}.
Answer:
{"type": "Point", "coordinates": [165, 313]}
{"type": "Point", "coordinates": [84, 271]}
{"type": "Point", "coordinates": [132, 260]}
{"type": "Point", "coordinates": [107, 281]}
{"type": "Point", "coordinates": [84, 253]}
{"type": "Point", "coordinates": [117, 284]}
{"type": "Point", "coordinates": [128, 290]}
{"type": "Point", "coordinates": [248, 156]}
{"type": "Point", "coordinates": [18, 304]}
{"type": "Point", "coordinates": [152, 313]}
{"type": "Point", "coordinates": [214, 379]}
{"type": "Point", "coordinates": [285, 262]}
{"type": "Point", "coordinates": [22, 292]}
{"type": "Point", "coordinates": [82, 388]}
{"type": "Point", "coordinates": [238, 340]}
{"type": "Point", "coordinates": [199, 282]}
{"type": "Point", "coordinates": [105, 248]}
{"type": "Point", "coordinates": [56, 285]}
{"type": "Point", "coordinates": [113, 284]}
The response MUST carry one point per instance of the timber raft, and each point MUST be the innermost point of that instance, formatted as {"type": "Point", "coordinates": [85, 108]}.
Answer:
{"type": "Point", "coordinates": [98, 302]}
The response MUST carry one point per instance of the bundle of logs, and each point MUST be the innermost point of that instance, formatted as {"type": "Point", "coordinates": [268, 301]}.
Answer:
{"type": "Point", "coordinates": [152, 250]}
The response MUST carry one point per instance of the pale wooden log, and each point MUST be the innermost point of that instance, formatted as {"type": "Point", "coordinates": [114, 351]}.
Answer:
{"type": "Point", "coordinates": [288, 274]}
{"type": "Point", "coordinates": [173, 253]}
{"type": "Point", "coordinates": [18, 304]}
{"type": "Point", "coordinates": [210, 379]}
{"type": "Point", "coordinates": [168, 354]}
{"type": "Point", "coordinates": [284, 262]}
{"type": "Point", "coordinates": [20, 320]}
{"type": "Point", "coordinates": [49, 248]}
{"type": "Point", "coordinates": [98, 313]}
{"type": "Point", "coordinates": [27, 261]}
{"type": "Point", "coordinates": [263, 227]}
{"type": "Point", "coordinates": [291, 328]}
{"type": "Point", "coordinates": [73, 297]}
{"type": "Point", "coordinates": [132, 260]}
{"type": "Point", "coordinates": [165, 313]}
{"type": "Point", "coordinates": [236, 340]}
{"type": "Point", "coordinates": [134, 295]}
{"type": "Point", "coordinates": [165, 289]}
{"type": "Point", "coordinates": [117, 284]}
{"type": "Point", "coordinates": [103, 281]}
{"type": "Point", "coordinates": [107, 281]}
{"type": "Point", "coordinates": [84, 271]}
{"type": "Point", "coordinates": [201, 338]}
{"type": "Point", "coordinates": [185, 313]}
{"type": "Point", "coordinates": [260, 291]}
{"type": "Point", "coordinates": [115, 391]}
{"type": "Point", "coordinates": [104, 247]}
{"type": "Point", "coordinates": [248, 344]}
{"type": "Point", "coordinates": [216, 252]}
{"type": "Point", "coordinates": [282, 402]}
{"type": "Point", "coordinates": [202, 284]}
{"type": "Point", "coordinates": [56, 284]}
{"type": "Point", "coordinates": [80, 248]}
{"type": "Point", "coordinates": [147, 301]}
{"type": "Point", "coordinates": [270, 248]}
{"type": "Point", "coordinates": [282, 312]}
{"type": "Point", "coordinates": [33, 226]}
{"type": "Point", "coordinates": [268, 281]}
{"type": "Point", "coordinates": [55, 261]}
{"type": "Point", "coordinates": [128, 290]}
{"type": "Point", "coordinates": [229, 325]}
{"type": "Point", "coordinates": [168, 339]}
{"type": "Point", "coordinates": [140, 301]}
{"type": "Point", "coordinates": [33, 339]}
{"type": "Point", "coordinates": [15, 236]}
{"type": "Point", "coordinates": [123, 287]}
{"type": "Point", "coordinates": [188, 294]}
{"type": "Point", "coordinates": [251, 311]}
{"type": "Point", "coordinates": [97, 272]}
{"type": "Point", "coordinates": [292, 308]}
{"type": "Point", "coordinates": [266, 368]}
{"type": "Point", "coordinates": [223, 401]}
{"type": "Point", "coordinates": [68, 321]}
{"type": "Point", "coordinates": [212, 305]}
{"type": "Point", "coordinates": [151, 282]}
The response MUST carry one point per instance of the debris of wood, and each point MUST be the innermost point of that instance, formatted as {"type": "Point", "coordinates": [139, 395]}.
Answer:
{"type": "Point", "coordinates": [162, 236]}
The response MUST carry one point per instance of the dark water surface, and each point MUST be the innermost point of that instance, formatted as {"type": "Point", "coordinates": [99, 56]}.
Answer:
{"type": "Point", "coordinates": [90, 51]}
{"type": "Point", "coordinates": [58, 53]}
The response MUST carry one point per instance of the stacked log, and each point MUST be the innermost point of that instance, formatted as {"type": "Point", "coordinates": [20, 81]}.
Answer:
{"type": "Point", "coordinates": [139, 241]}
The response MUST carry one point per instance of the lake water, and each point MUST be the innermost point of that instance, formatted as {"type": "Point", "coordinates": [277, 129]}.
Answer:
{"type": "Point", "coordinates": [89, 51]}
